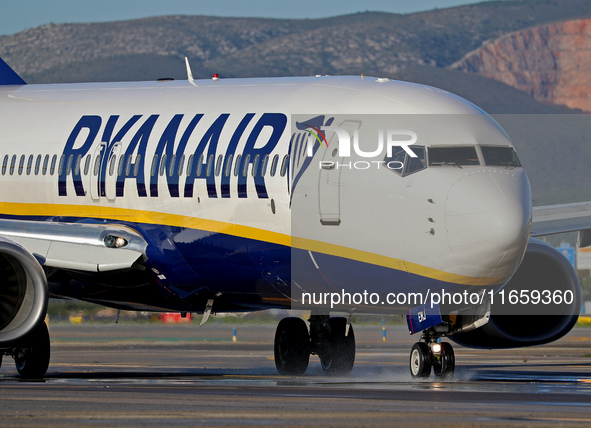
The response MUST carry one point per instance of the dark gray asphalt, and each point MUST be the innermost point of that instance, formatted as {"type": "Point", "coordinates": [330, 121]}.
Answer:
{"type": "Point", "coordinates": [183, 375]}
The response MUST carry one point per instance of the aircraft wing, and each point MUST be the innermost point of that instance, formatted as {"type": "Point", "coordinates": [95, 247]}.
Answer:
{"type": "Point", "coordinates": [77, 246]}
{"type": "Point", "coordinates": [552, 219]}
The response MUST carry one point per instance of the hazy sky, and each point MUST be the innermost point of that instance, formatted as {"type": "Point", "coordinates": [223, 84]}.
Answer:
{"type": "Point", "coordinates": [18, 15]}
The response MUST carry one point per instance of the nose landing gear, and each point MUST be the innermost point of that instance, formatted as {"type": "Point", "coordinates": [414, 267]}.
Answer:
{"type": "Point", "coordinates": [420, 361]}
{"type": "Point", "coordinates": [445, 366]}
{"type": "Point", "coordinates": [432, 354]}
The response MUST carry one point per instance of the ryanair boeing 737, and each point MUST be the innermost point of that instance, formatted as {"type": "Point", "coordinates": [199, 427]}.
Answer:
{"type": "Point", "coordinates": [331, 194]}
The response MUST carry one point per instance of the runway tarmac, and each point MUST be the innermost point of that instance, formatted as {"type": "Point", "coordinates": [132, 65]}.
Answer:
{"type": "Point", "coordinates": [183, 375]}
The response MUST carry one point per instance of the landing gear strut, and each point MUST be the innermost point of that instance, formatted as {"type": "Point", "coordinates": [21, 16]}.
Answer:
{"type": "Point", "coordinates": [333, 344]}
{"type": "Point", "coordinates": [430, 353]}
{"type": "Point", "coordinates": [331, 338]}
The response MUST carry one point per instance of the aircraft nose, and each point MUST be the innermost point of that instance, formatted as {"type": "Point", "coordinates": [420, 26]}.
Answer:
{"type": "Point", "coordinates": [488, 221]}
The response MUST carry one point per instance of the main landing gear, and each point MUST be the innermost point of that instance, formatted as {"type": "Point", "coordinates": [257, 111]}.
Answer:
{"type": "Point", "coordinates": [430, 353]}
{"type": "Point", "coordinates": [31, 357]}
{"type": "Point", "coordinates": [331, 338]}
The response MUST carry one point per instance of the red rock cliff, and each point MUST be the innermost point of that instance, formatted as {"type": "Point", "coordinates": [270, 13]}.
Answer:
{"type": "Point", "coordinates": [552, 62]}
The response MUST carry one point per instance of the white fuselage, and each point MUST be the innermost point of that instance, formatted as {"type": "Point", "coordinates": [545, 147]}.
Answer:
{"type": "Point", "coordinates": [460, 224]}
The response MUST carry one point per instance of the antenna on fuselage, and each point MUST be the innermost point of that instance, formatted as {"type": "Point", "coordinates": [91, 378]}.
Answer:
{"type": "Point", "coordinates": [189, 73]}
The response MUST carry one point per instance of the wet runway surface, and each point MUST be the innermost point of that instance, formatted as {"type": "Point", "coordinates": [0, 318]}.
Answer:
{"type": "Point", "coordinates": [183, 375]}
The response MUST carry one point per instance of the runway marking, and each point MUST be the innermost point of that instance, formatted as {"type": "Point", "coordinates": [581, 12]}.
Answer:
{"type": "Point", "coordinates": [580, 338]}
{"type": "Point", "coordinates": [561, 419]}
{"type": "Point", "coordinates": [102, 341]}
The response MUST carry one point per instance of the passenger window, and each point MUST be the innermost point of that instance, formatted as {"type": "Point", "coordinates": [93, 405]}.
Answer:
{"type": "Point", "coordinates": [136, 168]}
{"type": "Point", "coordinates": [121, 165]}
{"type": "Point", "coordinates": [190, 165]}
{"type": "Point", "coordinates": [21, 165]}
{"type": "Point", "coordinates": [86, 165]}
{"type": "Point", "coordinates": [37, 164]}
{"type": "Point", "coordinates": [12, 163]}
{"type": "Point", "coordinates": [228, 169]}
{"type": "Point", "coordinates": [210, 165]}
{"type": "Point", "coordinates": [172, 166]}
{"type": "Point", "coordinates": [199, 166]}
{"type": "Point", "coordinates": [255, 165]}
{"type": "Point", "coordinates": [97, 165]}
{"type": "Point", "coordinates": [218, 166]}
{"type": "Point", "coordinates": [53, 162]}
{"type": "Point", "coordinates": [127, 165]}
{"type": "Point", "coordinates": [246, 164]}
{"type": "Point", "coordinates": [29, 165]}
{"type": "Point", "coordinates": [4, 164]}
{"type": "Point", "coordinates": [163, 165]}
{"type": "Point", "coordinates": [453, 156]}
{"type": "Point", "coordinates": [112, 164]}
{"type": "Point", "coordinates": [264, 165]}
{"type": "Point", "coordinates": [181, 164]}
{"type": "Point", "coordinates": [274, 165]}
{"type": "Point", "coordinates": [60, 168]}
{"type": "Point", "coordinates": [77, 165]}
{"type": "Point", "coordinates": [284, 165]}
{"type": "Point", "coordinates": [69, 167]}
{"type": "Point", "coordinates": [237, 166]}
{"type": "Point", "coordinates": [154, 168]}
{"type": "Point", "coordinates": [45, 162]}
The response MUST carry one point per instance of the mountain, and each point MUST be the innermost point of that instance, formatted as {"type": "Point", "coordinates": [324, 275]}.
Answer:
{"type": "Point", "coordinates": [549, 62]}
{"type": "Point", "coordinates": [371, 43]}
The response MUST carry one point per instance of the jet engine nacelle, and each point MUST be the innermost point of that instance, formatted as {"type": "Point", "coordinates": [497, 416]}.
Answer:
{"type": "Point", "coordinates": [23, 293]}
{"type": "Point", "coordinates": [513, 324]}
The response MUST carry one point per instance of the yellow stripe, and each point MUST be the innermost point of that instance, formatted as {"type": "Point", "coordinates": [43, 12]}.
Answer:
{"type": "Point", "coordinates": [140, 216]}
{"type": "Point", "coordinates": [379, 260]}
{"type": "Point", "coordinates": [154, 217]}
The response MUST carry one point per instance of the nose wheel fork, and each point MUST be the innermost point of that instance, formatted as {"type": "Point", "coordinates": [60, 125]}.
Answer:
{"type": "Point", "coordinates": [431, 353]}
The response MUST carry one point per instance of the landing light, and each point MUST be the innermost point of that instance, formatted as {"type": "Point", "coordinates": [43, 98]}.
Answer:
{"type": "Point", "coordinates": [436, 348]}
{"type": "Point", "coordinates": [114, 242]}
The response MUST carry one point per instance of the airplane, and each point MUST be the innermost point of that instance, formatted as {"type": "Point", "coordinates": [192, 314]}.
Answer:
{"type": "Point", "coordinates": [347, 194]}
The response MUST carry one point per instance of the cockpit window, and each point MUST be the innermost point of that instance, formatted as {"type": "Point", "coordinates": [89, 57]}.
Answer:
{"type": "Point", "coordinates": [500, 156]}
{"type": "Point", "coordinates": [396, 161]}
{"type": "Point", "coordinates": [454, 156]}
{"type": "Point", "coordinates": [413, 165]}
{"type": "Point", "coordinates": [403, 164]}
